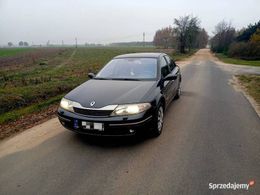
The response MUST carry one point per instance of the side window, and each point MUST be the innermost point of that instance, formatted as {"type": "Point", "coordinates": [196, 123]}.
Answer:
{"type": "Point", "coordinates": [170, 62]}
{"type": "Point", "coordinates": [164, 67]}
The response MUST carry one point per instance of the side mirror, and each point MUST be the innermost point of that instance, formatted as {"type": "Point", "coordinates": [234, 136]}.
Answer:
{"type": "Point", "coordinates": [170, 77]}
{"type": "Point", "coordinates": [91, 75]}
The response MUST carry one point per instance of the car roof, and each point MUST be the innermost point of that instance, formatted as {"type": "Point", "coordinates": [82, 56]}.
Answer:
{"type": "Point", "coordinates": [140, 55]}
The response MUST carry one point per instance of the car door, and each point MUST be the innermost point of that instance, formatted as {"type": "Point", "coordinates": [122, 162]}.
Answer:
{"type": "Point", "coordinates": [167, 86]}
{"type": "Point", "coordinates": [174, 70]}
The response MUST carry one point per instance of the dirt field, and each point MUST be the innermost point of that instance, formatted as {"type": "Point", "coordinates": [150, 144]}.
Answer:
{"type": "Point", "coordinates": [33, 81]}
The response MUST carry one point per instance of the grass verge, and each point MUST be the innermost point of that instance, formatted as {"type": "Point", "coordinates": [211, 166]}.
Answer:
{"type": "Point", "coordinates": [229, 60]}
{"type": "Point", "coordinates": [252, 85]}
{"type": "Point", "coordinates": [180, 56]}
{"type": "Point", "coordinates": [34, 108]}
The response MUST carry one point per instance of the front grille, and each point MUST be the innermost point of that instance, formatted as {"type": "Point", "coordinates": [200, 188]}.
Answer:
{"type": "Point", "coordinates": [89, 112]}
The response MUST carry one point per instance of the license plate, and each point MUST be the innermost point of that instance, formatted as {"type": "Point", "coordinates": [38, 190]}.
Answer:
{"type": "Point", "coordinates": [92, 126]}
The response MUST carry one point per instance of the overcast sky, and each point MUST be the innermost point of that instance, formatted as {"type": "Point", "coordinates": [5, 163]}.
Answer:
{"type": "Point", "coordinates": [107, 21]}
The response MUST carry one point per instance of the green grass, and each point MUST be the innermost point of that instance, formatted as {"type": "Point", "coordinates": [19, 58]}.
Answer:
{"type": "Point", "coordinates": [229, 60]}
{"type": "Point", "coordinates": [29, 88]}
{"type": "Point", "coordinates": [16, 114]}
{"type": "Point", "coordinates": [252, 85]}
{"type": "Point", "coordinates": [180, 56]}
{"type": "Point", "coordinates": [7, 52]}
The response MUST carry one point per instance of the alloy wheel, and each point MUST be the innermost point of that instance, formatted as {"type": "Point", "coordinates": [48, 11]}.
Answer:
{"type": "Point", "coordinates": [160, 119]}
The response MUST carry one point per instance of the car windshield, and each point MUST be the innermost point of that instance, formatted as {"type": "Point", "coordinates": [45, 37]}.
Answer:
{"type": "Point", "coordinates": [129, 69]}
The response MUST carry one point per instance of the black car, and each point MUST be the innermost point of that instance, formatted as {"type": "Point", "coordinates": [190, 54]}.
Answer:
{"type": "Point", "coordinates": [128, 95]}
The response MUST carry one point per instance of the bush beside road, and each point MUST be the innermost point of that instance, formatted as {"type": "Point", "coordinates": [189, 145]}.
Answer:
{"type": "Point", "coordinates": [237, 61]}
{"type": "Point", "coordinates": [237, 46]}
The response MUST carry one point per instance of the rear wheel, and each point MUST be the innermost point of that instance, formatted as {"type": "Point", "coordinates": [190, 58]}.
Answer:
{"type": "Point", "coordinates": [158, 122]}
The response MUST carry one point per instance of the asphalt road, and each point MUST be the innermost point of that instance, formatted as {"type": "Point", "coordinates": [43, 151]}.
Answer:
{"type": "Point", "coordinates": [211, 135]}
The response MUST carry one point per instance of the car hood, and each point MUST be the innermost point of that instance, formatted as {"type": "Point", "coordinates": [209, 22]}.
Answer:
{"type": "Point", "coordinates": [110, 92]}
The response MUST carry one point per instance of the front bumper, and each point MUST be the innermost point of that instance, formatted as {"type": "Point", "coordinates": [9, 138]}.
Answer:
{"type": "Point", "coordinates": [113, 126]}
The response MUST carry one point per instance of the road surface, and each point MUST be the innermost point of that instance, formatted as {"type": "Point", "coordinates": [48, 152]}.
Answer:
{"type": "Point", "coordinates": [211, 135]}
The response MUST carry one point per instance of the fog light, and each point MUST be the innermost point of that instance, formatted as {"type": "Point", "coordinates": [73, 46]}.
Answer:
{"type": "Point", "coordinates": [131, 130]}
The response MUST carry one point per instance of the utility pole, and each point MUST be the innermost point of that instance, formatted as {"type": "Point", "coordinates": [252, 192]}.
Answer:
{"type": "Point", "coordinates": [76, 41]}
{"type": "Point", "coordinates": [62, 43]}
{"type": "Point", "coordinates": [143, 39]}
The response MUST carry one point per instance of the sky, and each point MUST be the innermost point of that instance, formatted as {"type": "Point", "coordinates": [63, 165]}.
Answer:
{"type": "Point", "coordinates": [100, 21]}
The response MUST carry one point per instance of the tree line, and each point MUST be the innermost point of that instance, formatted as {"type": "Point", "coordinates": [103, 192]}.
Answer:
{"type": "Point", "coordinates": [244, 43]}
{"type": "Point", "coordinates": [21, 44]}
{"type": "Point", "coordinates": [185, 34]}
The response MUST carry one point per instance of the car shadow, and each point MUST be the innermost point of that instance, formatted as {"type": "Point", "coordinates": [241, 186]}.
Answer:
{"type": "Point", "coordinates": [188, 93]}
{"type": "Point", "coordinates": [112, 141]}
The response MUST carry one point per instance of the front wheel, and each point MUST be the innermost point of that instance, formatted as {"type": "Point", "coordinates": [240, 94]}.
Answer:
{"type": "Point", "coordinates": [158, 122]}
{"type": "Point", "coordinates": [178, 94]}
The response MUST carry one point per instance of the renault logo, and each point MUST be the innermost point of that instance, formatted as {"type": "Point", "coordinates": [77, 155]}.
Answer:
{"type": "Point", "coordinates": [92, 103]}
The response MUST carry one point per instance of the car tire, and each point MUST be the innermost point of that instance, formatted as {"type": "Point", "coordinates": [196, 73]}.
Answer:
{"type": "Point", "coordinates": [157, 124]}
{"type": "Point", "coordinates": [178, 94]}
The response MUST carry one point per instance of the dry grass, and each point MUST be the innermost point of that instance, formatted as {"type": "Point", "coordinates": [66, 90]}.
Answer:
{"type": "Point", "coordinates": [252, 85]}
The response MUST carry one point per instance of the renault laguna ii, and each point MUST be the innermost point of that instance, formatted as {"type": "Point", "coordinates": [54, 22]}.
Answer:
{"type": "Point", "coordinates": [127, 96]}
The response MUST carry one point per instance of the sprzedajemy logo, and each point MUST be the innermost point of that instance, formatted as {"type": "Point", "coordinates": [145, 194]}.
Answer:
{"type": "Point", "coordinates": [231, 186]}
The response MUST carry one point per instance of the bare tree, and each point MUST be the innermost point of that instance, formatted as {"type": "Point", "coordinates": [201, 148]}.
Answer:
{"type": "Point", "coordinates": [185, 35]}
{"type": "Point", "coordinates": [164, 37]}
{"type": "Point", "coordinates": [192, 32]}
{"type": "Point", "coordinates": [224, 35]}
{"type": "Point", "coordinates": [186, 29]}
{"type": "Point", "coordinates": [20, 43]}
{"type": "Point", "coordinates": [10, 44]}
{"type": "Point", "coordinates": [202, 39]}
{"type": "Point", "coordinates": [26, 44]}
{"type": "Point", "coordinates": [181, 31]}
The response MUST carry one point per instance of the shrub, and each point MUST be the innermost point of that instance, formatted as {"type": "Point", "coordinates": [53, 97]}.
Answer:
{"type": "Point", "coordinates": [43, 63]}
{"type": "Point", "coordinates": [245, 50]}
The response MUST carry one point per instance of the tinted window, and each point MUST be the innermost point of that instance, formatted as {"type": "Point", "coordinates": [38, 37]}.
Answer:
{"type": "Point", "coordinates": [164, 68]}
{"type": "Point", "coordinates": [130, 68]}
{"type": "Point", "coordinates": [170, 62]}
{"type": "Point", "coordinates": [168, 59]}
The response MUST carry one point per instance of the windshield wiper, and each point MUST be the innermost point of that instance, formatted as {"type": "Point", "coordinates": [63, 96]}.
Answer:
{"type": "Point", "coordinates": [120, 79]}
{"type": "Point", "coordinates": [126, 79]}
{"type": "Point", "coordinates": [101, 78]}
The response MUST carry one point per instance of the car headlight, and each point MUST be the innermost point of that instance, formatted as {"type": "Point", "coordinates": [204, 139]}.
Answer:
{"type": "Point", "coordinates": [130, 109]}
{"type": "Point", "coordinates": [66, 104]}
